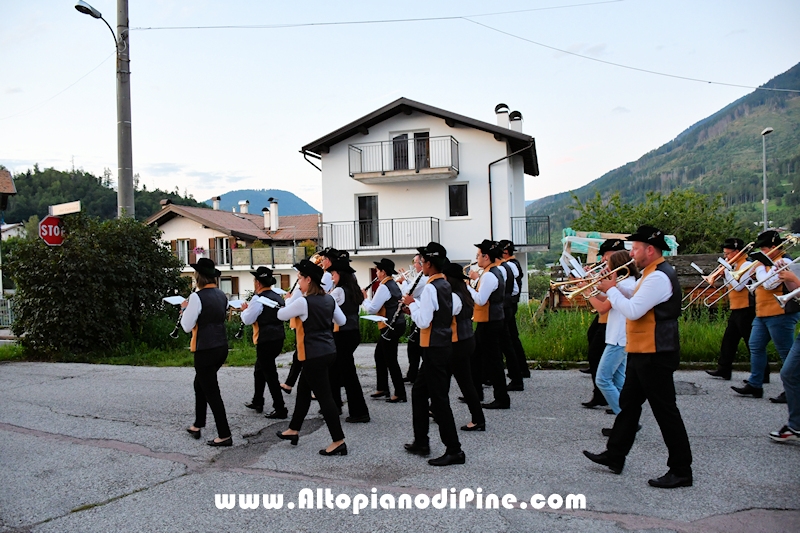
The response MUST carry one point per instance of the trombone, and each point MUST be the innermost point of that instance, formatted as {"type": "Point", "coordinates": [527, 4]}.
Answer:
{"type": "Point", "coordinates": [786, 298]}
{"type": "Point", "coordinates": [711, 279]}
{"type": "Point", "coordinates": [597, 279]}
{"type": "Point", "coordinates": [752, 288]}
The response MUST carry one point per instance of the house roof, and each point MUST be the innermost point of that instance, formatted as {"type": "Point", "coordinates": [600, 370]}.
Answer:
{"type": "Point", "coordinates": [7, 183]}
{"type": "Point", "coordinates": [248, 227]}
{"type": "Point", "coordinates": [516, 140]}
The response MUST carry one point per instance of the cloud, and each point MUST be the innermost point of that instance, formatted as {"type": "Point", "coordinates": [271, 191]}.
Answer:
{"type": "Point", "coordinates": [620, 109]}
{"type": "Point", "coordinates": [13, 90]}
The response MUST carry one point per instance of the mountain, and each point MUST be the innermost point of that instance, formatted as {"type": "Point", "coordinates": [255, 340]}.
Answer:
{"type": "Point", "coordinates": [288, 203]}
{"type": "Point", "coordinates": [720, 154]}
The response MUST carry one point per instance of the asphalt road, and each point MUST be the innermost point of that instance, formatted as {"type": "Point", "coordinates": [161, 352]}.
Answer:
{"type": "Point", "coordinates": [103, 448]}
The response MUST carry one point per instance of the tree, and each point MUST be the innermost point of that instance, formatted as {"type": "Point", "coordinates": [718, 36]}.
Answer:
{"type": "Point", "coordinates": [700, 222]}
{"type": "Point", "coordinates": [96, 290]}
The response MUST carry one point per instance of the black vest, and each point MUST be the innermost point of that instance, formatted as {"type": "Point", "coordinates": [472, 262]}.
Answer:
{"type": "Point", "coordinates": [318, 327]}
{"type": "Point", "coordinates": [350, 310]}
{"type": "Point", "coordinates": [211, 322]}
{"type": "Point", "coordinates": [391, 305]}
{"type": "Point", "coordinates": [520, 276]}
{"type": "Point", "coordinates": [508, 288]}
{"type": "Point", "coordinates": [441, 325]}
{"type": "Point", "coordinates": [667, 314]}
{"type": "Point", "coordinates": [464, 321]}
{"type": "Point", "coordinates": [497, 297]}
{"type": "Point", "coordinates": [270, 328]}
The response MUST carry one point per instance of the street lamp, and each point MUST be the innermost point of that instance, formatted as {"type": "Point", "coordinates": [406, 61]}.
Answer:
{"type": "Point", "coordinates": [125, 207]}
{"type": "Point", "coordinates": [764, 134]}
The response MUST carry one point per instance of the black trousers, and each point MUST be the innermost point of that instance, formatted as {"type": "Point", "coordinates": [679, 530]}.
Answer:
{"type": "Point", "coordinates": [314, 378]}
{"type": "Point", "coordinates": [597, 344]}
{"type": "Point", "coordinates": [462, 355]}
{"type": "Point", "coordinates": [294, 370]}
{"type": "Point", "coordinates": [414, 356]}
{"type": "Point", "coordinates": [740, 322]}
{"type": "Point", "coordinates": [648, 376]}
{"type": "Point", "coordinates": [513, 333]}
{"type": "Point", "coordinates": [386, 359]}
{"type": "Point", "coordinates": [489, 357]}
{"type": "Point", "coordinates": [206, 389]}
{"type": "Point", "coordinates": [433, 381]}
{"type": "Point", "coordinates": [265, 374]}
{"type": "Point", "coordinates": [509, 350]}
{"type": "Point", "coordinates": [346, 375]}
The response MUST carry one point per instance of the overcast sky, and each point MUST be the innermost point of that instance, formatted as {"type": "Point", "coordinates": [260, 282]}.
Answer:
{"type": "Point", "coordinates": [220, 109]}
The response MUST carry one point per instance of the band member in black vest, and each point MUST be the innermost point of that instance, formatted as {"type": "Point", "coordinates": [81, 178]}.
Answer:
{"type": "Point", "coordinates": [268, 336]}
{"type": "Point", "coordinates": [653, 347]}
{"type": "Point", "coordinates": [519, 278]}
{"type": "Point", "coordinates": [433, 314]}
{"type": "Point", "coordinates": [385, 302]}
{"type": "Point", "coordinates": [313, 316]}
{"type": "Point", "coordinates": [204, 315]}
{"type": "Point", "coordinates": [597, 330]}
{"type": "Point", "coordinates": [514, 358]}
{"type": "Point", "coordinates": [347, 295]}
{"type": "Point", "coordinates": [464, 345]}
{"type": "Point", "coordinates": [490, 329]}
{"type": "Point", "coordinates": [412, 346]}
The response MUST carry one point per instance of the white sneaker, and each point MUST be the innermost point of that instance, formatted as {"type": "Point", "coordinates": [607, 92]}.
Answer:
{"type": "Point", "coordinates": [785, 434]}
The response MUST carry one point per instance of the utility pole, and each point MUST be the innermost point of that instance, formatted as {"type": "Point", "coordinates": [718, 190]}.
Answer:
{"type": "Point", "coordinates": [125, 205]}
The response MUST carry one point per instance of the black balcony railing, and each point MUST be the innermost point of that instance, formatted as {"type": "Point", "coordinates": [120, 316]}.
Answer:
{"type": "Point", "coordinates": [531, 234]}
{"type": "Point", "coordinates": [381, 234]}
{"type": "Point", "coordinates": [404, 154]}
{"type": "Point", "coordinates": [227, 258]}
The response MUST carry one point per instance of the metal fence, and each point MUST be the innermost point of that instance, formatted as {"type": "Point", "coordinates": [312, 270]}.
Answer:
{"type": "Point", "coordinates": [252, 257]}
{"type": "Point", "coordinates": [531, 233]}
{"type": "Point", "coordinates": [380, 234]}
{"type": "Point", "coordinates": [6, 313]}
{"type": "Point", "coordinates": [404, 154]}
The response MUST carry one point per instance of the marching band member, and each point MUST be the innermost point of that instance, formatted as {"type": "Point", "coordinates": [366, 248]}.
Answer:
{"type": "Point", "coordinates": [743, 311]}
{"type": "Point", "coordinates": [433, 313]}
{"type": "Point", "coordinates": [790, 376]}
{"type": "Point", "coordinates": [653, 347]}
{"type": "Point", "coordinates": [772, 321]}
{"type": "Point", "coordinates": [313, 315]}
{"type": "Point", "coordinates": [490, 330]}
{"type": "Point", "coordinates": [204, 315]}
{"type": "Point", "coordinates": [507, 346]}
{"type": "Point", "coordinates": [268, 336]}
{"type": "Point", "coordinates": [348, 297]}
{"type": "Point", "coordinates": [412, 346]}
{"type": "Point", "coordinates": [508, 249]}
{"type": "Point", "coordinates": [385, 302]}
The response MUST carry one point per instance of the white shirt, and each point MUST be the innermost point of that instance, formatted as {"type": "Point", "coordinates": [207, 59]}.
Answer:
{"type": "Point", "coordinates": [406, 286]}
{"type": "Point", "coordinates": [742, 283]}
{"type": "Point", "coordinates": [652, 290]}
{"type": "Point", "coordinates": [338, 296]}
{"type": "Point", "coordinates": [378, 300]}
{"type": "Point", "coordinates": [253, 311]}
{"type": "Point", "coordinates": [487, 286]}
{"type": "Point", "coordinates": [298, 307]}
{"type": "Point", "coordinates": [327, 282]}
{"type": "Point", "coordinates": [192, 312]}
{"type": "Point", "coordinates": [774, 280]}
{"type": "Point", "coordinates": [615, 329]}
{"type": "Point", "coordinates": [422, 310]}
{"type": "Point", "coordinates": [514, 274]}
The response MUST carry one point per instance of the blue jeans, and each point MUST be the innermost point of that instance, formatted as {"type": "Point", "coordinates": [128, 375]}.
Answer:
{"type": "Point", "coordinates": [779, 328]}
{"type": "Point", "coordinates": [611, 374]}
{"type": "Point", "coordinates": [790, 375]}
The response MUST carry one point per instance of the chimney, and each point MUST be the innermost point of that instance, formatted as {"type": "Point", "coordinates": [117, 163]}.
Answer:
{"type": "Point", "coordinates": [515, 120]}
{"type": "Point", "coordinates": [215, 202]}
{"type": "Point", "coordinates": [265, 212]}
{"type": "Point", "coordinates": [165, 202]}
{"type": "Point", "coordinates": [501, 110]}
{"type": "Point", "coordinates": [243, 204]}
{"type": "Point", "coordinates": [273, 214]}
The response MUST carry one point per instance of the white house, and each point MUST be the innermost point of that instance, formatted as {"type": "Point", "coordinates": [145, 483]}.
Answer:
{"type": "Point", "coordinates": [13, 230]}
{"type": "Point", "coordinates": [409, 173]}
{"type": "Point", "coordinates": [238, 242]}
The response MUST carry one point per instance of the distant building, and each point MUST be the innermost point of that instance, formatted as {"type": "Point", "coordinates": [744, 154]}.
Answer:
{"type": "Point", "coordinates": [13, 230]}
{"type": "Point", "coordinates": [238, 242]}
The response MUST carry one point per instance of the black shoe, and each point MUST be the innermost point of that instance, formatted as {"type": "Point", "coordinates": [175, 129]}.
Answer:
{"type": "Point", "coordinates": [476, 427]}
{"type": "Point", "coordinates": [671, 481]}
{"type": "Point", "coordinates": [496, 405]}
{"type": "Point", "coordinates": [585, 371]}
{"type": "Point", "coordinates": [226, 442]}
{"type": "Point", "coordinates": [718, 373]}
{"type": "Point", "coordinates": [408, 380]}
{"type": "Point", "coordinates": [591, 404]}
{"type": "Point", "coordinates": [526, 375]}
{"type": "Point", "coordinates": [258, 408]}
{"type": "Point", "coordinates": [363, 419]}
{"type": "Point", "coordinates": [277, 415]}
{"type": "Point", "coordinates": [285, 389]}
{"type": "Point", "coordinates": [518, 387]}
{"type": "Point", "coordinates": [379, 394]}
{"type": "Point", "coordinates": [605, 460]}
{"type": "Point", "coordinates": [780, 398]}
{"type": "Point", "coordinates": [607, 431]}
{"type": "Point", "coordinates": [461, 399]}
{"type": "Point", "coordinates": [195, 433]}
{"type": "Point", "coordinates": [749, 389]}
{"type": "Point", "coordinates": [339, 450]}
{"type": "Point", "coordinates": [609, 411]}
{"type": "Point", "coordinates": [292, 438]}
{"type": "Point", "coordinates": [416, 449]}
{"type": "Point", "coordinates": [449, 459]}
{"type": "Point", "coordinates": [396, 400]}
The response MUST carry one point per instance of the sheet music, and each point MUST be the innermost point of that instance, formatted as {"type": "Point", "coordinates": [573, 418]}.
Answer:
{"type": "Point", "coordinates": [236, 304]}
{"type": "Point", "coordinates": [174, 300]}
{"type": "Point", "coordinates": [263, 300]}
{"type": "Point", "coordinates": [375, 318]}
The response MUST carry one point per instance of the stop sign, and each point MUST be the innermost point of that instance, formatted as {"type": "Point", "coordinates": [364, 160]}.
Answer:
{"type": "Point", "coordinates": [50, 231]}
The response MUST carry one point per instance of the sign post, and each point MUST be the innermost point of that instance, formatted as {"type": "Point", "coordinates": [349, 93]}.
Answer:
{"type": "Point", "coordinates": [50, 231]}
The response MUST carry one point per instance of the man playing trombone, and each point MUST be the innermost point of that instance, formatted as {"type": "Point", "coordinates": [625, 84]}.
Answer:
{"type": "Point", "coordinates": [743, 309]}
{"type": "Point", "coordinates": [790, 372]}
{"type": "Point", "coordinates": [772, 321]}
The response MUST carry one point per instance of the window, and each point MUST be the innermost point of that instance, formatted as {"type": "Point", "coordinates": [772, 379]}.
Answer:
{"type": "Point", "coordinates": [183, 250]}
{"type": "Point", "coordinates": [459, 207]}
{"type": "Point", "coordinates": [368, 220]}
{"type": "Point", "coordinates": [223, 249]}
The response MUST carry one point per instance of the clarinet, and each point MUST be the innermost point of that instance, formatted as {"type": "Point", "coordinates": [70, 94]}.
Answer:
{"type": "Point", "coordinates": [370, 283]}
{"type": "Point", "coordinates": [400, 308]}
{"type": "Point", "coordinates": [176, 331]}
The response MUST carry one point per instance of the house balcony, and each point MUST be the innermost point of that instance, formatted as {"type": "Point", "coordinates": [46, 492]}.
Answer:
{"type": "Point", "coordinates": [247, 258]}
{"type": "Point", "coordinates": [531, 234]}
{"type": "Point", "coordinates": [393, 234]}
{"type": "Point", "coordinates": [408, 159]}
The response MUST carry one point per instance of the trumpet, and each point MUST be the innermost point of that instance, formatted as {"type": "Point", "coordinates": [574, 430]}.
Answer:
{"type": "Point", "coordinates": [591, 274]}
{"type": "Point", "coordinates": [752, 288]}
{"type": "Point", "coordinates": [597, 279]}
{"type": "Point", "coordinates": [786, 298]}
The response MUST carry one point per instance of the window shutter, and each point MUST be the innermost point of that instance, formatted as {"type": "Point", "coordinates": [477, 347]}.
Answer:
{"type": "Point", "coordinates": [174, 246]}
{"type": "Point", "coordinates": [192, 246]}
{"type": "Point", "coordinates": [211, 250]}
{"type": "Point", "coordinates": [235, 287]}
